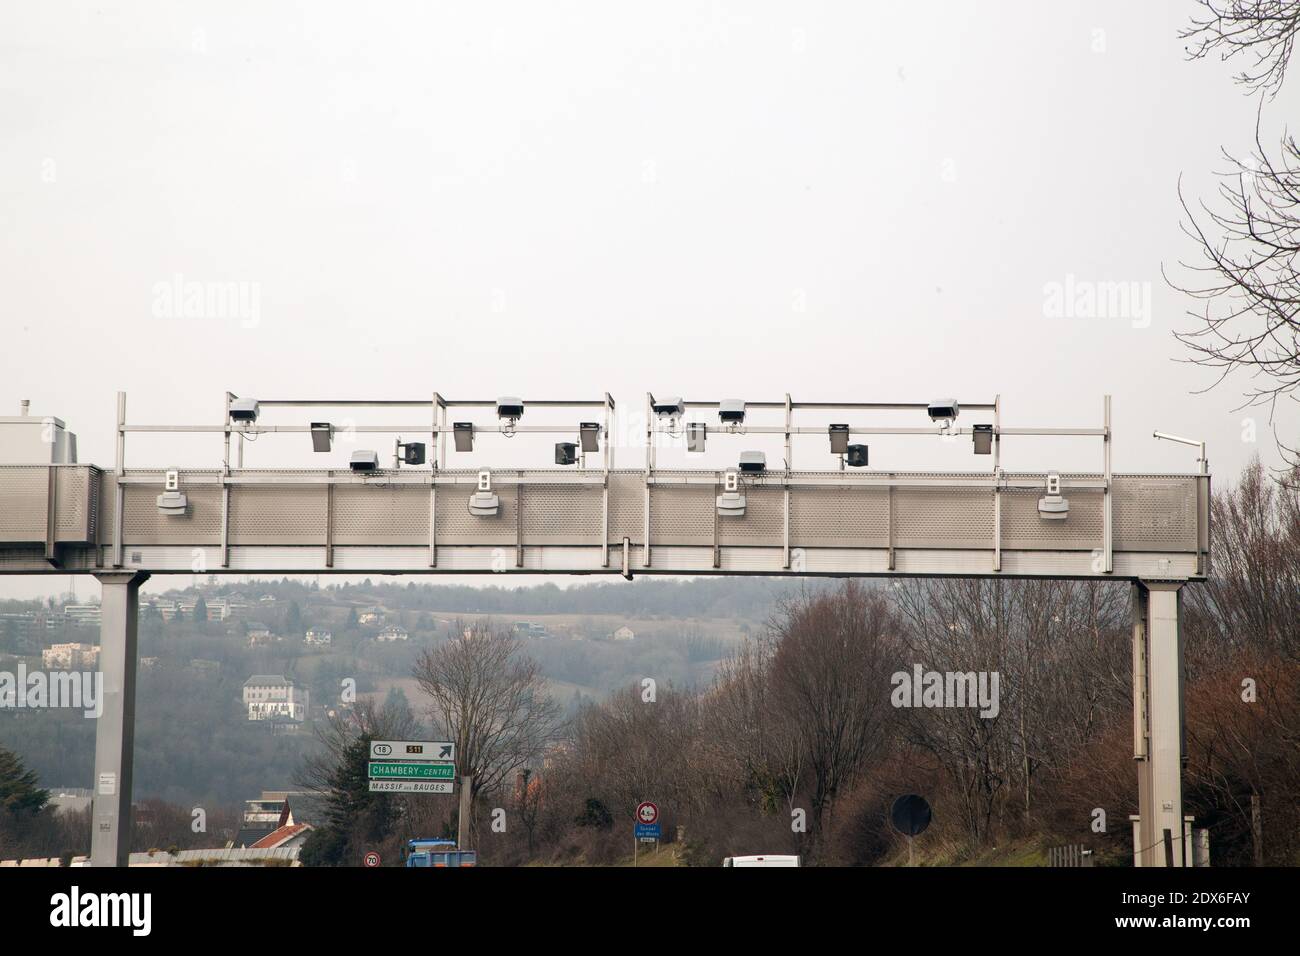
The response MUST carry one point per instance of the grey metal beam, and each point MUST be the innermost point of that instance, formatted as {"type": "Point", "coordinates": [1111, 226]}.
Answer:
{"type": "Point", "coordinates": [110, 839]}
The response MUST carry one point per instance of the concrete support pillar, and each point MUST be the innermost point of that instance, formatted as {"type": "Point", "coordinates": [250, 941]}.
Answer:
{"type": "Point", "coordinates": [1158, 723]}
{"type": "Point", "coordinates": [110, 841]}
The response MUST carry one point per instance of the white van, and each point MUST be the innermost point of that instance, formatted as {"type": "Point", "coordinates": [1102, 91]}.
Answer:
{"type": "Point", "coordinates": [761, 861]}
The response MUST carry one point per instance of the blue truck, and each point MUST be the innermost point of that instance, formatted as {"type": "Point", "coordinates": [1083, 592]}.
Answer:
{"type": "Point", "coordinates": [438, 853]}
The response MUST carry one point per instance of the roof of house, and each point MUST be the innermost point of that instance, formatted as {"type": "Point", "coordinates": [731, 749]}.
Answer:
{"type": "Point", "coordinates": [280, 836]}
{"type": "Point", "coordinates": [267, 680]}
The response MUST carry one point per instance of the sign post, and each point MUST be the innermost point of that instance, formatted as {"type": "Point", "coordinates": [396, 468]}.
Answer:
{"type": "Point", "coordinates": [647, 828]}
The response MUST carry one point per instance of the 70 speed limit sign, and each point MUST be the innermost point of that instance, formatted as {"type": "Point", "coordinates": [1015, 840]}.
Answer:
{"type": "Point", "coordinates": [647, 812]}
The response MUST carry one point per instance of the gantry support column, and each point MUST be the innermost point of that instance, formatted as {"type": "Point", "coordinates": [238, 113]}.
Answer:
{"type": "Point", "coordinates": [110, 839]}
{"type": "Point", "coordinates": [1158, 723]}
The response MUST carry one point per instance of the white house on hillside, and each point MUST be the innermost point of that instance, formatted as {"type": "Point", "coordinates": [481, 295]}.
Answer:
{"type": "Point", "coordinates": [624, 633]}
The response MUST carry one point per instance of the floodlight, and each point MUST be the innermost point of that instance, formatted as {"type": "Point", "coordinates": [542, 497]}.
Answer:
{"type": "Point", "coordinates": [1052, 507]}
{"type": "Point", "coordinates": [982, 436]}
{"type": "Point", "coordinates": [511, 408]}
{"type": "Point", "coordinates": [484, 503]}
{"type": "Point", "coordinates": [363, 460]}
{"type": "Point", "coordinates": [732, 411]}
{"type": "Point", "coordinates": [839, 439]}
{"type": "Point", "coordinates": [731, 504]}
{"type": "Point", "coordinates": [945, 410]}
{"type": "Point", "coordinates": [566, 453]}
{"type": "Point", "coordinates": [753, 461]}
{"type": "Point", "coordinates": [243, 410]}
{"type": "Point", "coordinates": [589, 435]}
{"type": "Point", "coordinates": [412, 452]}
{"type": "Point", "coordinates": [669, 407]}
{"type": "Point", "coordinates": [855, 456]}
{"type": "Point", "coordinates": [695, 436]}
{"type": "Point", "coordinates": [463, 432]}
{"type": "Point", "coordinates": [322, 436]}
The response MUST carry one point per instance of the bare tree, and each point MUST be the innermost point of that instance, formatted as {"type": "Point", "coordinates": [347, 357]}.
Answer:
{"type": "Point", "coordinates": [489, 697]}
{"type": "Point", "coordinates": [1263, 29]}
{"type": "Point", "coordinates": [1248, 276]}
{"type": "Point", "coordinates": [830, 687]}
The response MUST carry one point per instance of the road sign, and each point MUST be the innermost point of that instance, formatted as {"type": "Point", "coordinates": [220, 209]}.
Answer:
{"type": "Point", "coordinates": [371, 859]}
{"type": "Point", "coordinates": [383, 770]}
{"type": "Point", "coordinates": [649, 831]}
{"type": "Point", "coordinates": [413, 750]}
{"type": "Point", "coordinates": [647, 812]}
{"type": "Point", "coordinates": [412, 786]}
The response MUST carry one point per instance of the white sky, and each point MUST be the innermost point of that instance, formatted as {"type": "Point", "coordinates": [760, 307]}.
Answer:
{"type": "Point", "coordinates": [557, 200]}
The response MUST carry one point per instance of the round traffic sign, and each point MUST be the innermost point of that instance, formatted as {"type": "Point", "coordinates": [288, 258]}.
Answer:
{"type": "Point", "coordinates": [646, 812]}
{"type": "Point", "coordinates": [371, 859]}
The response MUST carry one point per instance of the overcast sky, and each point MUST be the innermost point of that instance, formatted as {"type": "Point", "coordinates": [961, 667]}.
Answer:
{"type": "Point", "coordinates": [843, 202]}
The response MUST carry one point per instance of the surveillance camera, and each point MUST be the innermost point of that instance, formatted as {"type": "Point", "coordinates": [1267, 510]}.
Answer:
{"type": "Point", "coordinates": [363, 460]}
{"type": "Point", "coordinates": [855, 456]}
{"type": "Point", "coordinates": [243, 410]}
{"type": "Point", "coordinates": [566, 453]}
{"type": "Point", "coordinates": [511, 408]}
{"type": "Point", "coordinates": [732, 411]}
{"type": "Point", "coordinates": [669, 407]}
{"type": "Point", "coordinates": [412, 452]}
{"type": "Point", "coordinates": [943, 411]}
{"type": "Point", "coordinates": [753, 461]}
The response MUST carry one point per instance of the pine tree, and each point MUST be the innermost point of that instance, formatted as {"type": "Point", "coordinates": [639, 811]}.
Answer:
{"type": "Point", "coordinates": [18, 790]}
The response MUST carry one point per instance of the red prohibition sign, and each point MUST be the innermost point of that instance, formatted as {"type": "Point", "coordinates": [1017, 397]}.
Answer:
{"type": "Point", "coordinates": [371, 859]}
{"type": "Point", "coordinates": [646, 812]}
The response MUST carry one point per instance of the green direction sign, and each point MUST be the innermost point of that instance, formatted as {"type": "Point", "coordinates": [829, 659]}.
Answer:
{"type": "Point", "coordinates": [384, 770]}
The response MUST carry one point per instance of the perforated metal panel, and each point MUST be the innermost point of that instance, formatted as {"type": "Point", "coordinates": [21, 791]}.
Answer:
{"type": "Point", "coordinates": [839, 517]}
{"type": "Point", "coordinates": [457, 526]}
{"type": "Point", "coordinates": [682, 515]}
{"type": "Point", "coordinates": [764, 521]}
{"type": "Point", "coordinates": [1157, 519]}
{"type": "Point", "coordinates": [1023, 528]}
{"type": "Point", "coordinates": [626, 507]}
{"type": "Point", "coordinates": [369, 515]}
{"type": "Point", "coordinates": [1155, 513]}
{"type": "Point", "coordinates": [943, 517]}
{"type": "Point", "coordinates": [23, 500]}
{"type": "Point", "coordinates": [200, 525]}
{"type": "Point", "coordinates": [276, 514]}
{"type": "Point", "coordinates": [562, 514]}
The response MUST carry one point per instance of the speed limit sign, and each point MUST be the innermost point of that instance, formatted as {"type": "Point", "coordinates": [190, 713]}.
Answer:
{"type": "Point", "coordinates": [371, 859]}
{"type": "Point", "coordinates": [646, 812]}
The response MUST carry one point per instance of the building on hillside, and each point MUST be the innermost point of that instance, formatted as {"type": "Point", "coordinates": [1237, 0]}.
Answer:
{"type": "Point", "coordinates": [624, 633]}
{"type": "Point", "coordinates": [259, 635]}
{"type": "Point", "coordinates": [529, 629]}
{"type": "Point", "coordinates": [273, 698]}
{"type": "Point", "coordinates": [371, 618]}
{"type": "Point", "coordinates": [82, 615]}
{"type": "Point", "coordinates": [393, 633]}
{"type": "Point", "coordinates": [261, 817]}
{"type": "Point", "coordinates": [318, 636]}
{"type": "Point", "coordinates": [70, 656]}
